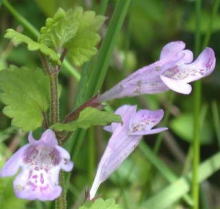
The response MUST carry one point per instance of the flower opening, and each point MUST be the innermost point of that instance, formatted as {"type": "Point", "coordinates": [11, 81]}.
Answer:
{"type": "Point", "coordinates": [40, 162]}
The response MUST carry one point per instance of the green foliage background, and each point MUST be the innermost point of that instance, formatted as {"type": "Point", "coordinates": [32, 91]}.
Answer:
{"type": "Point", "coordinates": [145, 179]}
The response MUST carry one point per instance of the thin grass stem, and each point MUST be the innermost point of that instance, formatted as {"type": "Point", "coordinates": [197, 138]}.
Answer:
{"type": "Point", "coordinates": [196, 116]}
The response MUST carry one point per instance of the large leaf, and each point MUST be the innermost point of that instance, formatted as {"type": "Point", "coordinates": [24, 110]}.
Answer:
{"type": "Point", "coordinates": [18, 38]}
{"type": "Point", "coordinates": [25, 92]}
{"type": "Point", "coordinates": [101, 204]}
{"type": "Point", "coordinates": [87, 118]}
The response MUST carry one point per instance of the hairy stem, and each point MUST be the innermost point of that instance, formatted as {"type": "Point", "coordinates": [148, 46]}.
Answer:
{"type": "Point", "coordinates": [54, 100]}
{"type": "Point", "coordinates": [61, 203]}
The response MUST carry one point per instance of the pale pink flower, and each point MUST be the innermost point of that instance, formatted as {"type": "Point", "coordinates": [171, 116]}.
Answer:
{"type": "Point", "coordinates": [38, 165]}
{"type": "Point", "coordinates": [174, 70]}
{"type": "Point", "coordinates": [125, 138]}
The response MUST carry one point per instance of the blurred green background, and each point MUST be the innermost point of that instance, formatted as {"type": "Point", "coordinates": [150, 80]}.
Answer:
{"type": "Point", "coordinates": [148, 26]}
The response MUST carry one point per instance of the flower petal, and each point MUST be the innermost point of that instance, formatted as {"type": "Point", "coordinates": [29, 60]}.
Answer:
{"type": "Point", "coordinates": [108, 128]}
{"type": "Point", "coordinates": [49, 137]}
{"type": "Point", "coordinates": [177, 78]}
{"type": "Point", "coordinates": [176, 85]}
{"type": "Point", "coordinates": [171, 49]}
{"type": "Point", "coordinates": [15, 161]}
{"type": "Point", "coordinates": [37, 184]}
{"type": "Point", "coordinates": [126, 112]}
{"type": "Point", "coordinates": [149, 132]}
{"type": "Point", "coordinates": [146, 80]}
{"type": "Point", "coordinates": [31, 139]}
{"type": "Point", "coordinates": [143, 81]}
{"type": "Point", "coordinates": [187, 57]}
{"type": "Point", "coordinates": [119, 143]}
{"type": "Point", "coordinates": [202, 66]}
{"type": "Point", "coordinates": [144, 120]}
{"type": "Point", "coordinates": [66, 163]}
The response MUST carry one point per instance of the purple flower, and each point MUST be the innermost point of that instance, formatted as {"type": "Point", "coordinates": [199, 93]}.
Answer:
{"type": "Point", "coordinates": [40, 162]}
{"type": "Point", "coordinates": [125, 138]}
{"type": "Point", "coordinates": [174, 70]}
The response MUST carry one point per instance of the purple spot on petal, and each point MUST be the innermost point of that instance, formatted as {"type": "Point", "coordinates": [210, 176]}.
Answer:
{"type": "Point", "coordinates": [44, 188]}
{"type": "Point", "coordinates": [30, 154]}
{"type": "Point", "coordinates": [41, 178]}
{"type": "Point", "coordinates": [32, 185]}
{"type": "Point", "coordinates": [55, 157]}
{"type": "Point", "coordinates": [30, 174]}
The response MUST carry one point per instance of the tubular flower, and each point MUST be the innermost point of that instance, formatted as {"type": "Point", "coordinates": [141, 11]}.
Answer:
{"type": "Point", "coordinates": [174, 70]}
{"type": "Point", "coordinates": [40, 162]}
{"type": "Point", "coordinates": [125, 138]}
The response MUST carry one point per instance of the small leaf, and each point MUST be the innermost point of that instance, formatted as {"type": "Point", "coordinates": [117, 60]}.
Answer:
{"type": "Point", "coordinates": [83, 46]}
{"type": "Point", "coordinates": [60, 28]}
{"type": "Point", "coordinates": [74, 30]}
{"type": "Point", "coordinates": [25, 92]}
{"type": "Point", "coordinates": [18, 38]}
{"type": "Point", "coordinates": [101, 204]}
{"type": "Point", "coordinates": [88, 117]}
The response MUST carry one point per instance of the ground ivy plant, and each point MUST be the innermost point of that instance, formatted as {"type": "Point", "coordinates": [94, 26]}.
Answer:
{"type": "Point", "coordinates": [31, 99]}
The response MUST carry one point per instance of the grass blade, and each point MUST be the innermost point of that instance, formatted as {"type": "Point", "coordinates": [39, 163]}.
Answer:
{"type": "Point", "coordinates": [94, 73]}
{"type": "Point", "coordinates": [167, 173]}
{"type": "Point", "coordinates": [196, 117]}
{"type": "Point", "coordinates": [216, 120]}
{"type": "Point", "coordinates": [164, 199]}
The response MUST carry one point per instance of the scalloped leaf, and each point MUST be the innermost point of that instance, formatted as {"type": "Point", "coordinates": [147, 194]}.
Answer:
{"type": "Point", "coordinates": [74, 30]}
{"type": "Point", "coordinates": [25, 92]}
{"type": "Point", "coordinates": [59, 29]}
{"type": "Point", "coordinates": [87, 118]}
{"type": "Point", "coordinates": [101, 204]}
{"type": "Point", "coordinates": [19, 38]}
{"type": "Point", "coordinates": [83, 46]}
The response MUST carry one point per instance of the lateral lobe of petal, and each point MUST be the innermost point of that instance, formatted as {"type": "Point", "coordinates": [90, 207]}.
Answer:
{"type": "Point", "coordinates": [12, 165]}
{"type": "Point", "coordinates": [66, 164]}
